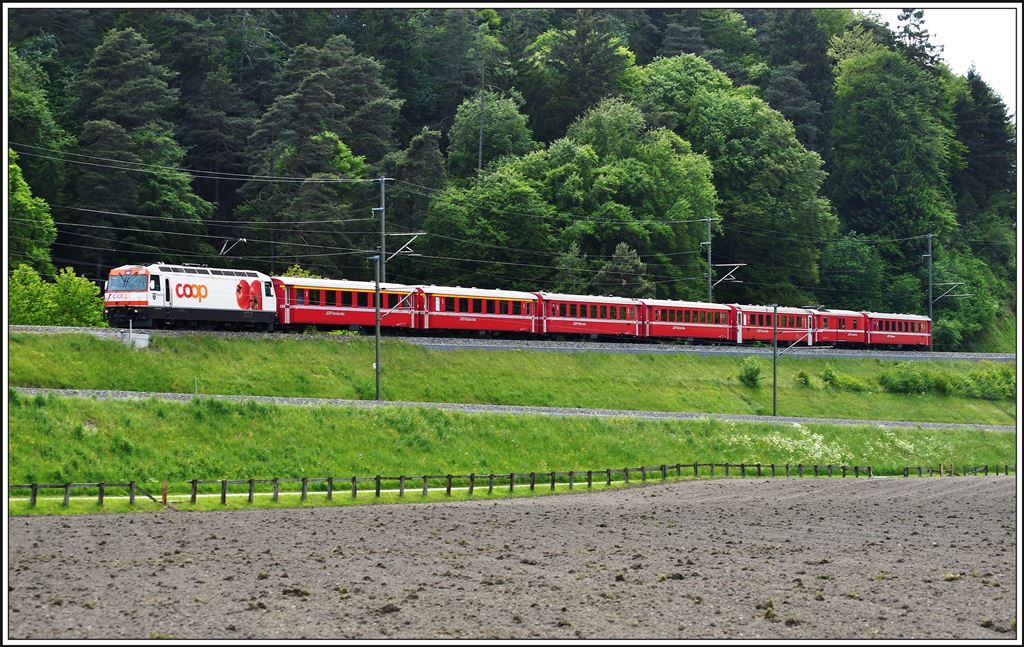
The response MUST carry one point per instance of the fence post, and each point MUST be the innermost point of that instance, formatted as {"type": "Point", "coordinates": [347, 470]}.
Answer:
{"type": "Point", "coordinates": [830, 471]}
{"type": "Point", "coordinates": [223, 491]}
{"type": "Point", "coordinates": [67, 494]}
{"type": "Point", "coordinates": [609, 473]}
{"type": "Point", "coordinates": [930, 474]}
{"type": "Point", "coordinates": [103, 489]}
{"type": "Point", "coordinates": [773, 469]}
{"type": "Point", "coordinates": [643, 473]}
{"type": "Point", "coordinates": [726, 470]}
{"type": "Point", "coordinates": [195, 486]}
{"type": "Point", "coordinates": [1007, 469]}
{"type": "Point", "coordinates": [163, 493]}
{"type": "Point", "coordinates": [552, 481]}
{"type": "Point", "coordinates": [401, 486]}
{"type": "Point", "coordinates": [986, 470]}
{"type": "Point", "coordinates": [679, 470]}
{"type": "Point", "coordinates": [277, 489]}
{"type": "Point", "coordinates": [131, 492]}
{"type": "Point", "coordinates": [743, 469]}
{"type": "Point", "coordinates": [511, 482]}
{"type": "Point", "coordinates": [490, 484]}
{"type": "Point", "coordinates": [816, 471]}
{"type": "Point", "coordinates": [856, 471]}
{"type": "Point", "coordinates": [571, 473]}
{"type": "Point", "coordinates": [330, 488]}
{"type": "Point", "coordinates": [625, 474]}
{"type": "Point", "coordinates": [424, 486]}
{"type": "Point", "coordinates": [800, 470]}
{"type": "Point", "coordinates": [759, 469]}
{"type": "Point", "coordinates": [787, 470]}
{"type": "Point", "coordinates": [305, 488]}
{"type": "Point", "coordinates": [32, 497]}
{"type": "Point", "coordinates": [712, 466]}
{"type": "Point", "coordinates": [448, 485]}
{"type": "Point", "coordinates": [252, 489]}
{"type": "Point", "coordinates": [533, 480]}
{"type": "Point", "coordinates": [920, 471]}
{"type": "Point", "coordinates": [906, 472]}
{"type": "Point", "coordinates": [664, 472]}
{"type": "Point", "coordinates": [695, 470]}
{"type": "Point", "coordinates": [472, 482]}
{"type": "Point", "coordinates": [354, 487]}
{"type": "Point", "coordinates": [869, 471]}
{"type": "Point", "coordinates": [590, 478]}
{"type": "Point", "coordinates": [376, 486]}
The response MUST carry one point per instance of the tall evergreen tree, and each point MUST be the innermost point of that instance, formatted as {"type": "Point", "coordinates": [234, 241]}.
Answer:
{"type": "Point", "coordinates": [502, 131]}
{"type": "Point", "coordinates": [624, 275]}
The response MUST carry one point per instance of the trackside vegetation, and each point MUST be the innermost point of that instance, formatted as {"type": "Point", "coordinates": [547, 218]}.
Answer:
{"type": "Point", "coordinates": [312, 366]}
{"type": "Point", "coordinates": [56, 440]}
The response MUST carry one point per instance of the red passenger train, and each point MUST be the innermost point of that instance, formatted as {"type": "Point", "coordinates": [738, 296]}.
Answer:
{"type": "Point", "coordinates": [161, 294]}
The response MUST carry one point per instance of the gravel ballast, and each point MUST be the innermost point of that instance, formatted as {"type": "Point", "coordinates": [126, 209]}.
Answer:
{"type": "Point", "coordinates": [733, 559]}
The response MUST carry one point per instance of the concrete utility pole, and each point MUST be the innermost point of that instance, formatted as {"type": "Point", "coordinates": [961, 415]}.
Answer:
{"type": "Point", "coordinates": [378, 262]}
{"type": "Point", "coordinates": [930, 302]}
{"type": "Point", "coordinates": [709, 261]}
{"type": "Point", "coordinates": [382, 249]}
{"type": "Point", "coordinates": [775, 354]}
{"type": "Point", "coordinates": [480, 146]}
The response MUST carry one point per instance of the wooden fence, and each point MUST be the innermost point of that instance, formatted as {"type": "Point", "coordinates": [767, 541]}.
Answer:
{"type": "Point", "coordinates": [473, 482]}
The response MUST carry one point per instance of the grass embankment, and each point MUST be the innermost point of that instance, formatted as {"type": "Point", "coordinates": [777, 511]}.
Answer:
{"type": "Point", "coordinates": [312, 367]}
{"type": "Point", "coordinates": [56, 440]}
{"type": "Point", "coordinates": [1001, 338]}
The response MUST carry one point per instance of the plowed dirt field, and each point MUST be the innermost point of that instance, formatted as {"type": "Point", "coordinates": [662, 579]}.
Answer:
{"type": "Point", "coordinates": [755, 558]}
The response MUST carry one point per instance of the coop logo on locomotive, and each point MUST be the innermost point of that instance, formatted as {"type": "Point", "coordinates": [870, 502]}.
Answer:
{"type": "Point", "coordinates": [191, 291]}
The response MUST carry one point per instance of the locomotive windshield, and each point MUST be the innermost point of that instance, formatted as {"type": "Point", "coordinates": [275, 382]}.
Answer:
{"type": "Point", "coordinates": [127, 283]}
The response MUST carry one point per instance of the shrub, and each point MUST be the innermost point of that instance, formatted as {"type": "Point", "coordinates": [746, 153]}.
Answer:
{"type": "Point", "coordinates": [911, 377]}
{"type": "Point", "coordinates": [836, 380]}
{"type": "Point", "coordinates": [993, 382]}
{"type": "Point", "coordinates": [803, 379]}
{"type": "Point", "coordinates": [70, 301]}
{"type": "Point", "coordinates": [750, 372]}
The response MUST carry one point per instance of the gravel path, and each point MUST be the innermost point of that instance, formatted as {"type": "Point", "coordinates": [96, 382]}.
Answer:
{"type": "Point", "coordinates": [506, 409]}
{"type": "Point", "coordinates": [469, 343]}
{"type": "Point", "coordinates": [725, 559]}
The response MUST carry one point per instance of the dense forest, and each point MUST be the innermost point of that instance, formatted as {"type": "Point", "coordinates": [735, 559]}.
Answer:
{"type": "Point", "coordinates": [566, 150]}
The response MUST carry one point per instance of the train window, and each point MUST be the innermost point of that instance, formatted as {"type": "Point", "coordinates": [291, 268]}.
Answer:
{"type": "Point", "coordinates": [331, 297]}
{"type": "Point", "coordinates": [593, 312]}
{"type": "Point", "coordinates": [572, 309]}
{"type": "Point", "coordinates": [824, 322]}
{"type": "Point", "coordinates": [562, 310]}
{"type": "Point", "coordinates": [300, 296]}
{"type": "Point", "coordinates": [517, 307]}
{"type": "Point", "coordinates": [364, 300]}
{"type": "Point", "coordinates": [462, 305]}
{"type": "Point", "coordinates": [613, 312]}
{"type": "Point", "coordinates": [855, 324]}
{"type": "Point", "coordinates": [269, 289]}
{"type": "Point", "coordinates": [491, 307]}
{"type": "Point", "coordinates": [154, 283]}
{"type": "Point", "coordinates": [314, 297]}
{"type": "Point", "coordinates": [345, 300]}
{"type": "Point", "coordinates": [604, 312]}
{"type": "Point", "coordinates": [503, 308]}
{"type": "Point", "coordinates": [842, 323]}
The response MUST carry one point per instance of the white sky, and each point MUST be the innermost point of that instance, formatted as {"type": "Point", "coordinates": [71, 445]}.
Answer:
{"type": "Point", "coordinates": [986, 37]}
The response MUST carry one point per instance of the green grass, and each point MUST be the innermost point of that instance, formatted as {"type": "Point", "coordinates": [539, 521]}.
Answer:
{"type": "Point", "coordinates": [316, 367]}
{"type": "Point", "coordinates": [56, 440]}
{"type": "Point", "coordinates": [1002, 338]}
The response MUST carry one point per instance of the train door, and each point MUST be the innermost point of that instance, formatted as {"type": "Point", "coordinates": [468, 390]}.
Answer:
{"type": "Point", "coordinates": [739, 326]}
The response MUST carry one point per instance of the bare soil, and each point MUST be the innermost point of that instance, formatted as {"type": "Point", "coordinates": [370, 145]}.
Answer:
{"type": "Point", "coordinates": [756, 558]}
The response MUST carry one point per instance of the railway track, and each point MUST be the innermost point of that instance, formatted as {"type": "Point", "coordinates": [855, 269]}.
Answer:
{"type": "Point", "coordinates": [546, 345]}
{"type": "Point", "coordinates": [507, 409]}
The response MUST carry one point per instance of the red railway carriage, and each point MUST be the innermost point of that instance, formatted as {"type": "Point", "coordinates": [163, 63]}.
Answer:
{"type": "Point", "coordinates": [898, 329]}
{"type": "Point", "coordinates": [688, 320]}
{"type": "Point", "coordinates": [840, 326]}
{"type": "Point", "coordinates": [477, 309]}
{"type": "Point", "coordinates": [754, 323]}
{"type": "Point", "coordinates": [343, 303]}
{"type": "Point", "coordinates": [581, 314]}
